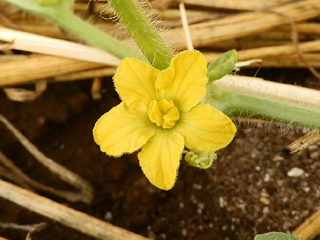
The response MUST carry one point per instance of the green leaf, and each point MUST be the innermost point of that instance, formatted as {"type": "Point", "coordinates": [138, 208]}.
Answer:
{"type": "Point", "coordinates": [275, 236]}
{"type": "Point", "coordinates": [223, 65]}
{"type": "Point", "coordinates": [47, 2]}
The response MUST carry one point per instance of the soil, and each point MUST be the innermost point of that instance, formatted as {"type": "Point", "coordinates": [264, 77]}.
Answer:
{"type": "Point", "coordinates": [245, 193]}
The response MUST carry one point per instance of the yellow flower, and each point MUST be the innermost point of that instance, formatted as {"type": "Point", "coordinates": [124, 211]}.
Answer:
{"type": "Point", "coordinates": [160, 113]}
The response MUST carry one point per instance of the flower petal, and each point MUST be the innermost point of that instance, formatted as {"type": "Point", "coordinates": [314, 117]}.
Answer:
{"type": "Point", "coordinates": [206, 128]}
{"type": "Point", "coordinates": [185, 80]}
{"type": "Point", "coordinates": [122, 130]}
{"type": "Point", "coordinates": [160, 158]}
{"type": "Point", "coordinates": [134, 81]}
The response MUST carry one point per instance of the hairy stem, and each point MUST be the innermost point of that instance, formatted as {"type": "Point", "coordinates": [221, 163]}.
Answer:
{"type": "Point", "coordinates": [249, 97]}
{"type": "Point", "coordinates": [143, 32]}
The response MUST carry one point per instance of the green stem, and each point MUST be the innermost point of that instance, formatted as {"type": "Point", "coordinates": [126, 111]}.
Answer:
{"type": "Point", "coordinates": [61, 14]}
{"type": "Point", "coordinates": [93, 36]}
{"type": "Point", "coordinates": [239, 102]}
{"type": "Point", "coordinates": [143, 32]}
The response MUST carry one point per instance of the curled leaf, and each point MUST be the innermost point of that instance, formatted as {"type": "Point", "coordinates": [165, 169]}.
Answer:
{"type": "Point", "coordinates": [223, 65]}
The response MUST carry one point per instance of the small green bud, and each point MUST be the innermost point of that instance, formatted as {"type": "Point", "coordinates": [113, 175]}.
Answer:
{"type": "Point", "coordinates": [200, 159]}
{"type": "Point", "coordinates": [222, 66]}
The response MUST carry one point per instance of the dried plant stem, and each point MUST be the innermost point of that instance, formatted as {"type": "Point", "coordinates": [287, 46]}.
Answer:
{"type": "Point", "coordinates": [86, 191]}
{"type": "Point", "coordinates": [232, 4]}
{"type": "Point", "coordinates": [12, 57]}
{"type": "Point", "coordinates": [241, 25]}
{"type": "Point", "coordinates": [69, 217]}
{"type": "Point", "coordinates": [300, 144]}
{"type": "Point", "coordinates": [265, 52]}
{"type": "Point", "coordinates": [40, 44]}
{"type": "Point", "coordinates": [89, 74]}
{"type": "Point", "coordinates": [309, 27]}
{"type": "Point", "coordinates": [24, 95]}
{"type": "Point", "coordinates": [13, 173]}
{"type": "Point", "coordinates": [284, 61]}
{"type": "Point", "coordinates": [96, 88]}
{"type": "Point", "coordinates": [288, 62]}
{"type": "Point", "coordinates": [39, 67]}
{"type": "Point", "coordinates": [30, 228]}
{"type": "Point", "coordinates": [185, 26]}
{"type": "Point", "coordinates": [309, 229]}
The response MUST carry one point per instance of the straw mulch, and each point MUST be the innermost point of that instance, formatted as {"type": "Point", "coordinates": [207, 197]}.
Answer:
{"type": "Point", "coordinates": [275, 32]}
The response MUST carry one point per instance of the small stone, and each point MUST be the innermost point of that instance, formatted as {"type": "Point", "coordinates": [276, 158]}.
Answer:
{"type": "Point", "coordinates": [278, 158]}
{"type": "Point", "coordinates": [201, 206]}
{"type": "Point", "coordinates": [222, 202]}
{"type": "Point", "coordinates": [285, 199]}
{"type": "Point", "coordinates": [264, 193]}
{"type": "Point", "coordinates": [184, 232]}
{"type": "Point", "coordinates": [197, 186]}
{"type": "Point", "coordinates": [295, 172]}
{"type": "Point", "coordinates": [266, 177]}
{"type": "Point", "coordinates": [108, 216]}
{"type": "Point", "coordinates": [265, 200]}
{"type": "Point", "coordinates": [313, 147]}
{"type": "Point", "coordinates": [265, 210]}
{"type": "Point", "coordinates": [306, 189]}
{"type": "Point", "coordinates": [315, 155]}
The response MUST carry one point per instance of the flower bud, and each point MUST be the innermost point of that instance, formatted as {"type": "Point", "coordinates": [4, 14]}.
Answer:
{"type": "Point", "coordinates": [200, 159]}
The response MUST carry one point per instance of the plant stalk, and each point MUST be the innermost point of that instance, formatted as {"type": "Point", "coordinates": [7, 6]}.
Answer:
{"type": "Point", "coordinates": [275, 102]}
{"type": "Point", "coordinates": [143, 32]}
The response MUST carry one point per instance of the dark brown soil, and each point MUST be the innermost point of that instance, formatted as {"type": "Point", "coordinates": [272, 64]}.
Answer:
{"type": "Point", "coordinates": [246, 192]}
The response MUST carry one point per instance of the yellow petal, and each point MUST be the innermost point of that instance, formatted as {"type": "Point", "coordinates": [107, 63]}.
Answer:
{"type": "Point", "coordinates": [206, 128]}
{"type": "Point", "coordinates": [134, 81]}
{"type": "Point", "coordinates": [185, 80]}
{"type": "Point", "coordinates": [160, 158]}
{"type": "Point", "coordinates": [122, 130]}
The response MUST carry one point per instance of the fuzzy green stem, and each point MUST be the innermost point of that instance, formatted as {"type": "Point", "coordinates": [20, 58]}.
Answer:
{"type": "Point", "coordinates": [239, 102]}
{"type": "Point", "coordinates": [60, 13]}
{"type": "Point", "coordinates": [143, 32]}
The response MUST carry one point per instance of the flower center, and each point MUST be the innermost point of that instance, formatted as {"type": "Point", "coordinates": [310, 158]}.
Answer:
{"type": "Point", "coordinates": [163, 113]}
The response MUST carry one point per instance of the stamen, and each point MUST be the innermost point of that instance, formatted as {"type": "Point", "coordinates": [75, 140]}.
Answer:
{"type": "Point", "coordinates": [163, 113]}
